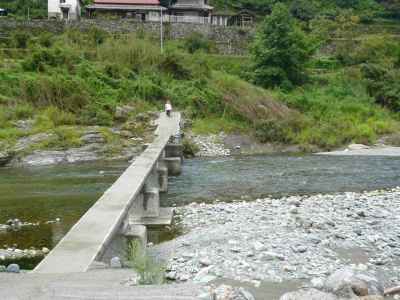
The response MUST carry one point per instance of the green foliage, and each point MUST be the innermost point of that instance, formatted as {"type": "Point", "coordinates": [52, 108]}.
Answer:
{"type": "Point", "coordinates": [339, 112]}
{"type": "Point", "coordinates": [189, 148]}
{"type": "Point", "coordinates": [197, 42]}
{"type": "Point", "coordinates": [150, 271]}
{"type": "Point", "coordinates": [79, 78]}
{"type": "Point", "coordinates": [304, 10]}
{"type": "Point", "coordinates": [384, 85]}
{"type": "Point", "coordinates": [280, 51]}
{"type": "Point", "coordinates": [20, 39]}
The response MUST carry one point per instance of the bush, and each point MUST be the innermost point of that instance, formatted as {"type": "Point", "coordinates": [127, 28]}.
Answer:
{"type": "Point", "coordinates": [304, 10]}
{"type": "Point", "coordinates": [150, 271]}
{"type": "Point", "coordinates": [197, 42]}
{"type": "Point", "coordinates": [46, 39]}
{"type": "Point", "coordinates": [20, 39]}
{"type": "Point", "coordinates": [384, 85]}
{"type": "Point", "coordinates": [45, 57]}
{"type": "Point", "coordinates": [189, 148]}
{"type": "Point", "coordinates": [64, 92]}
{"type": "Point", "coordinates": [172, 64]}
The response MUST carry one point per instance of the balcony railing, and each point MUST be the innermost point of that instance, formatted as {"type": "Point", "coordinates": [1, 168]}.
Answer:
{"type": "Point", "coordinates": [181, 19]}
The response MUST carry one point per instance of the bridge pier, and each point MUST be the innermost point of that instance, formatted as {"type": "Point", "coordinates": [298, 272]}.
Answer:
{"type": "Point", "coordinates": [162, 171]}
{"type": "Point", "coordinates": [173, 158]}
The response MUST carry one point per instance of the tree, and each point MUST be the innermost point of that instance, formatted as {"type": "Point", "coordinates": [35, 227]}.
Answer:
{"type": "Point", "coordinates": [280, 50]}
{"type": "Point", "coordinates": [304, 10]}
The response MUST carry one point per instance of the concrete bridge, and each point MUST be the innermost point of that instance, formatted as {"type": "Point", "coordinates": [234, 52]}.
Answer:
{"type": "Point", "coordinates": [124, 209]}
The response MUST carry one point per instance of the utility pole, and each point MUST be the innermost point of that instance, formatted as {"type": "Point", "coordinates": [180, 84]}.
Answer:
{"type": "Point", "coordinates": [161, 31]}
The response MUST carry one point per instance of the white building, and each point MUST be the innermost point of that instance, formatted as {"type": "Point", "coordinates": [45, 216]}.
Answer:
{"type": "Point", "coordinates": [64, 9]}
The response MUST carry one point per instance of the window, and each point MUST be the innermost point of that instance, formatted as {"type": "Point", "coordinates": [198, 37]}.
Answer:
{"type": "Point", "coordinates": [62, 1]}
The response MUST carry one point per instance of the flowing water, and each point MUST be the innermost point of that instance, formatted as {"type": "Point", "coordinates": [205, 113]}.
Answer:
{"type": "Point", "coordinates": [42, 194]}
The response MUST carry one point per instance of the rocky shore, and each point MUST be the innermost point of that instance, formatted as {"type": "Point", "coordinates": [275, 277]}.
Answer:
{"type": "Point", "coordinates": [305, 238]}
{"type": "Point", "coordinates": [123, 141]}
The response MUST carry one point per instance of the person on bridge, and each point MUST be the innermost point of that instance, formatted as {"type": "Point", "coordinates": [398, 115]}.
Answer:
{"type": "Point", "coordinates": [168, 108]}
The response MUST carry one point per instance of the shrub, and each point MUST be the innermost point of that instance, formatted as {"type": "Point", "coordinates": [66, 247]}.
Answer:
{"type": "Point", "coordinates": [173, 65]}
{"type": "Point", "coordinates": [189, 148]}
{"type": "Point", "coordinates": [64, 92]}
{"type": "Point", "coordinates": [150, 272]}
{"type": "Point", "coordinates": [384, 85]}
{"type": "Point", "coordinates": [20, 39]}
{"type": "Point", "coordinates": [196, 42]}
{"type": "Point", "coordinates": [304, 10]}
{"type": "Point", "coordinates": [46, 39]}
{"type": "Point", "coordinates": [65, 137]}
{"type": "Point", "coordinates": [23, 111]}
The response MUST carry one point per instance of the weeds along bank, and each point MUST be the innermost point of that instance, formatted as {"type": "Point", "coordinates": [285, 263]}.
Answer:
{"type": "Point", "coordinates": [62, 85]}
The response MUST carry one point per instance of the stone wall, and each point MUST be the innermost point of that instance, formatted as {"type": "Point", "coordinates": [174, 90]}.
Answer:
{"type": "Point", "coordinates": [229, 40]}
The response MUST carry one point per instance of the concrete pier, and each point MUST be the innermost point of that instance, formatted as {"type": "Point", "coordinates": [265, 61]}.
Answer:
{"type": "Point", "coordinates": [132, 200]}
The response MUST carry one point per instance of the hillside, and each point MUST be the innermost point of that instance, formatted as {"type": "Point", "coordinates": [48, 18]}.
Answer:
{"type": "Point", "coordinates": [63, 85]}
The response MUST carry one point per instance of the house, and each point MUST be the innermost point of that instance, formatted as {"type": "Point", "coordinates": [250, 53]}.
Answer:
{"type": "Point", "coordinates": [64, 9]}
{"type": "Point", "coordinates": [182, 11]}
{"type": "Point", "coordinates": [190, 11]}
{"type": "Point", "coordinates": [243, 18]}
{"type": "Point", "coordinates": [143, 10]}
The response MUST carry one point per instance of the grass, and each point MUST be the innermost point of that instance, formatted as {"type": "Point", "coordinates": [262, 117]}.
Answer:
{"type": "Point", "coordinates": [150, 271]}
{"type": "Point", "coordinates": [76, 79]}
{"type": "Point", "coordinates": [215, 125]}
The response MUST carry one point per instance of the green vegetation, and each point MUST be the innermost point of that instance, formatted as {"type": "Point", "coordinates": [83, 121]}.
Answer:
{"type": "Point", "coordinates": [23, 8]}
{"type": "Point", "coordinates": [280, 51]}
{"type": "Point", "coordinates": [314, 79]}
{"type": "Point", "coordinates": [150, 271]}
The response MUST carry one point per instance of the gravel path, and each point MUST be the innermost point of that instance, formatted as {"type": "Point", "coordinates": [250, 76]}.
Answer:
{"type": "Point", "coordinates": [293, 238]}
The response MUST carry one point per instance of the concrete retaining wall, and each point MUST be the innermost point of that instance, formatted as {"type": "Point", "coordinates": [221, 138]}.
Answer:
{"type": "Point", "coordinates": [229, 40]}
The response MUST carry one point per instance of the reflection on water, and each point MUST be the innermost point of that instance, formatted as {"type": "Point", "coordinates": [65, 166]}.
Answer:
{"type": "Point", "coordinates": [45, 193]}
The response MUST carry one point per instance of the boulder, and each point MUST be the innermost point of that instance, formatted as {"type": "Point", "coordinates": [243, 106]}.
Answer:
{"type": "Point", "coordinates": [123, 112]}
{"type": "Point", "coordinates": [92, 136]}
{"type": "Point", "coordinates": [29, 141]}
{"type": "Point", "coordinates": [226, 292]}
{"type": "Point", "coordinates": [13, 268]}
{"type": "Point", "coordinates": [309, 294]}
{"type": "Point", "coordinates": [348, 283]}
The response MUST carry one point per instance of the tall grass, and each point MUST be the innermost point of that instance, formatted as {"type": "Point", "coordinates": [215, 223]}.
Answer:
{"type": "Point", "coordinates": [150, 271]}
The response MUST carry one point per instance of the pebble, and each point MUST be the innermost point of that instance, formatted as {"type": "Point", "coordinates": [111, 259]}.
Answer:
{"type": "Point", "coordinates": [211, 145]}
{"type": "Point", "coordinates": [260, 241]}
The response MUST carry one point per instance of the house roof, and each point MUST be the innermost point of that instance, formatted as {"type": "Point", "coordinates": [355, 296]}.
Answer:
{"type": "Point", "coordinates": [128, 2]}
{"type": "Point", "coordinates": [125, 7]}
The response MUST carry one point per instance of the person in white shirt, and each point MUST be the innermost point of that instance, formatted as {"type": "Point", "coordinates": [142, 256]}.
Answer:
{"type": "Point", "coordinates": [168, 108]}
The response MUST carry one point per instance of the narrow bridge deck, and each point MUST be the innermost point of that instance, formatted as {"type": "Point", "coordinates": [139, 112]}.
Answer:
{"type": "Point", "coordinates": [87, 238]}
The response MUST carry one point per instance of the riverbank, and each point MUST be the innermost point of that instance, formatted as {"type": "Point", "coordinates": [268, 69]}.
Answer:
{"type": "Point", "coordinates": [291, 238]}
{"type": "Point", "coordinates": [77, 144]}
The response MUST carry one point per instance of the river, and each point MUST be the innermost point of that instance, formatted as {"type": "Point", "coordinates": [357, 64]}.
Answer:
{"type": "Point", "coordinates": [43, 194]}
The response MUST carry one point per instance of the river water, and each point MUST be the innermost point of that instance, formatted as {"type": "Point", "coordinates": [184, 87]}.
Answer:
{"type": "Point", "coordinates": [42, 194]}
